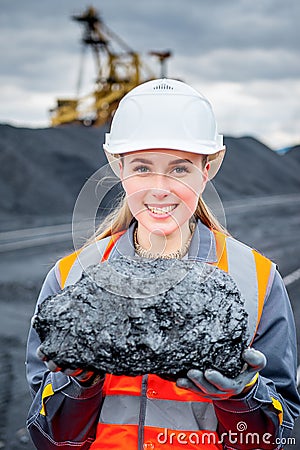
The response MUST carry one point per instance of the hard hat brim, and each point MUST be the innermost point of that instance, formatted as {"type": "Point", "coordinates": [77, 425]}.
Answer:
{"type": "Point", "coordinates": [203, 147]}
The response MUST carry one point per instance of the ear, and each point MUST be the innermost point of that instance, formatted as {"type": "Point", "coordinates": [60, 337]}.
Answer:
{"type": "Point", "coordinates": [121, 169]}
{"type": "Point", "coordinates": [121, 175]}
{"type": "Point", "coordinates": [205, 176]}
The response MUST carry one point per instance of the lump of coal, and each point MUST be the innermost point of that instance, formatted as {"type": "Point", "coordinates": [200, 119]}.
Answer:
{"type": "Point", "coordinates": [137, 316]}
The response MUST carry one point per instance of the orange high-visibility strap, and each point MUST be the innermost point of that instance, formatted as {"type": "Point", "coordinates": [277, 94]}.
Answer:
{"type": "Point", "coordinates": [112, 437]}
{"type": "Point", "coordinates": [122, 385]}
{"type": "Point", "coordinates": [163, 389]}
{"type": "Point", "coordinates": [111, 244]}
{"type": "Point", "coordinates": [167, 390]}
{"type": "Point", "coordinates": [66, 263]}
{"type": "Point", "coordinates": [220, 239]}
{"type": "Point", "coordinates": [263, 270]}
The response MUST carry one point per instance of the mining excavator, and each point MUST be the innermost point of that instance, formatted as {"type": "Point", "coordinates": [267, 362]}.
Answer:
{"type": "Point", "coordinates": [119, 69]}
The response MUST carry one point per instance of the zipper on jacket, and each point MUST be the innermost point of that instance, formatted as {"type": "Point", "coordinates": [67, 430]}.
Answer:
{"type": "Point", "coordinates": [142, 413]}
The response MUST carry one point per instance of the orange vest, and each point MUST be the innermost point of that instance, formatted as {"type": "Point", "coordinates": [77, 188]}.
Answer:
{"type": "Point", "coordinates": [148, 412]}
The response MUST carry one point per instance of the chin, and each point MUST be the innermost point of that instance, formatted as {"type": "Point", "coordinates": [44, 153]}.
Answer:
{"type": "Point", "coordinates": [159, 228]}
{"type": "Point", "coordinates": [161, 231]}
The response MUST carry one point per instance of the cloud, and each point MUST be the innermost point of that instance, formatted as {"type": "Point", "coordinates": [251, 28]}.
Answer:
{"type": "Point", "coordinates": [198, 26]}
{"type": "Point", "coordinates": [241, 65]}
{"type": "Point", "coordinates": [255, 108]}
{"type": "Point", "coordinates": [23, 107]}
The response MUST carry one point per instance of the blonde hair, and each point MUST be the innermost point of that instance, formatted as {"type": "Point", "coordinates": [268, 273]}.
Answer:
{"type": "Point", "coordinates": [121, 217]}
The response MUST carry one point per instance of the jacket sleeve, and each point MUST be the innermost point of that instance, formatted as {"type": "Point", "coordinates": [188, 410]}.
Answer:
{"type": "Point", "coordinates": [63, 413]}
{"type": "Point", "coordinates": [268, 412]}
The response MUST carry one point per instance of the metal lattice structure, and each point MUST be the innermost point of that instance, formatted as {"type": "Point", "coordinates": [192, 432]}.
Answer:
{"type": "Point", "coordinates": [118, 70]}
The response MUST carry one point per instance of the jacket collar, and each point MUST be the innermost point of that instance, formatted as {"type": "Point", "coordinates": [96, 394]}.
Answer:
{"type": "Point", "coordinates": [202, 248]}
{"type": "Point", "coordinates": [203, 244]}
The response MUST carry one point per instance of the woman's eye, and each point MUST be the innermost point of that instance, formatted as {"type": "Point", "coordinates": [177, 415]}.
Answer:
{"type": "Point", "coordinates": [141, 169]}
{"type": "Point", "coordinates": [180, 170]}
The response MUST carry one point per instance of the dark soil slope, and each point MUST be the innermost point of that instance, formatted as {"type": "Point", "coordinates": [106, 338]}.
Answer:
{"type": "Point", "coordinates": [252, 169]}
{"type": "Point", "coordinates": [43, 170]}
{"type": "Point", "coordinates": [294, 155]}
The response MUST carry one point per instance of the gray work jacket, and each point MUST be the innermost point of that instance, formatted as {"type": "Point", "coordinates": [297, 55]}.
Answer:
{"type": "Point", "coordinates": [71, 403]}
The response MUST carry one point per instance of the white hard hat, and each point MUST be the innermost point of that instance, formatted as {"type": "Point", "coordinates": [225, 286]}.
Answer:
{"type": "Point", "coordinates": [165, 114]}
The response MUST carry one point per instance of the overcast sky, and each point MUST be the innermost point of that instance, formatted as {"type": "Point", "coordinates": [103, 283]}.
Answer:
{"type": "Point", "coordinates": [242, 54]}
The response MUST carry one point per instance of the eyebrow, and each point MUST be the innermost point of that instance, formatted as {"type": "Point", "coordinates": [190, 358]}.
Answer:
{"type": "Point", "coordinates": [180, 161]}
{"type": "Point", "coordinates": [171, 163]}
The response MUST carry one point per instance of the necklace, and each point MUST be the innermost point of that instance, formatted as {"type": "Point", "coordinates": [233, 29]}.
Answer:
{"type": "Point", "coordinates": [178, 254]}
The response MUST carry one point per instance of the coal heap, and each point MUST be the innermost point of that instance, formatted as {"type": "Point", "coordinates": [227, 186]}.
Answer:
{"type": "Point", "coordinates": [43, 170]}
{"type": "Point", "coordinates": [137, 316]}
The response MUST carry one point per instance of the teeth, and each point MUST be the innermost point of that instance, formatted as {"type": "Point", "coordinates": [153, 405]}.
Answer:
{"type": "Point", "coordinates": [163, 210]}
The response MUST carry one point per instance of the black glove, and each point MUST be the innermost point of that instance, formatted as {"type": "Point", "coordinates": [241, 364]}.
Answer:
{"type": "Point", "coordinates": [84, 377]}
{"type": "Point", "coordinates": [215, 386]}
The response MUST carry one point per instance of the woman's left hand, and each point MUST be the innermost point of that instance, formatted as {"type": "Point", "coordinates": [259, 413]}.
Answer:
{"type": "Point", "coordinates": [215, 386]}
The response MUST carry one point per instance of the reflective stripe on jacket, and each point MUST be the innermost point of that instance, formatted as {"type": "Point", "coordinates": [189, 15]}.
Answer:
{"type": "Point", "coordinates": [147, 411]}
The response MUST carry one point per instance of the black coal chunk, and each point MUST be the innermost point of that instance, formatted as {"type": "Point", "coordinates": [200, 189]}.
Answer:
{"type": "Point", "coordinates": [131, 316]}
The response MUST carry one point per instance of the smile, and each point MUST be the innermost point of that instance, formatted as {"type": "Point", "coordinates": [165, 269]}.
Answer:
{"type": "Point", "coordinates": [161, 210]}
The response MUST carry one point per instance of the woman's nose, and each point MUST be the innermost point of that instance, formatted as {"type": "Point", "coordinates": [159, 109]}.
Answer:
{"type": "Point", "coordinates": [159, 193]}
{"type": "Point", "coordinates": [161, 187]}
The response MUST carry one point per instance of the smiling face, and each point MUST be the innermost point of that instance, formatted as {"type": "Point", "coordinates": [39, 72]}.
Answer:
{"type": "Point", "coordinates": [163, 187]}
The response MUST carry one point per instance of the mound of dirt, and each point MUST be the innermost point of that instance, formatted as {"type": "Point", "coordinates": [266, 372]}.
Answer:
{"type": "Point", "coordinates": [294, 155]}
{"type": "Point", "coordinates": [43, 170]}
{"type": "Point", "coordinates": [252, 169]}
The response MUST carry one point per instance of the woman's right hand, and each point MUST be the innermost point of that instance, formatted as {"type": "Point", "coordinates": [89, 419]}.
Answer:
{"type": "Point", "coordinates": [84, 377]}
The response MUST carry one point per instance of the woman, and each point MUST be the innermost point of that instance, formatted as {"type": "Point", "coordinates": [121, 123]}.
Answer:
{"type": "Point", "coordinates": [164, 146]}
